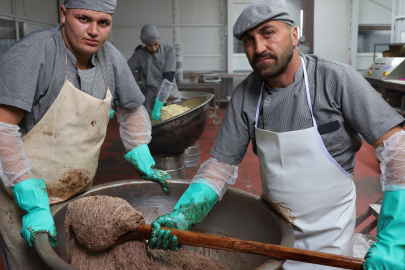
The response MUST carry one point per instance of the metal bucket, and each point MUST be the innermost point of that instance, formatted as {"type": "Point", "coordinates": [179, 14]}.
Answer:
{"type": "Point", "coordinates": [239, 215]}
{"type": "Point", "coordinates": [192, 155]}
{"type": "Point", "coordinates": [173, 165]}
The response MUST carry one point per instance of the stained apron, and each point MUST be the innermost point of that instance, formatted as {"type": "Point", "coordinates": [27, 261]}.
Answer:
{"type": "Point", "coordinates": [305, 184]}
{"type": "Point", "coordinates": [63, 148]}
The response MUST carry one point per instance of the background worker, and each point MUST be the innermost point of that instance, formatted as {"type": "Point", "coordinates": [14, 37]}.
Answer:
{"type": "Point", "coordinates": [156, 63]}
{"type": "Point", "coordinates": [303, 47]}
{"type": "Point", "coordinates": [56, 90]}
{"type": "Point", "coordinates": [306, 117]}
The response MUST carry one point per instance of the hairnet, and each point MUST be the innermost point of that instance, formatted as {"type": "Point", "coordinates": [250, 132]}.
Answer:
{"type": "Point", "coordinates": [302, 39]}
{"type": "Point", "coordinates": [259, 12]}
{"type": "Point", "coordinates": [106, 6]}
{"type": "Point", "coordinates": [149, 33]}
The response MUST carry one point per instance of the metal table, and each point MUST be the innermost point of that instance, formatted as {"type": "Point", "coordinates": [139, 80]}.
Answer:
{"type": "Point", "coordinates": [387, 76]}
{"type": "Point", "coordinates": [188, 85]}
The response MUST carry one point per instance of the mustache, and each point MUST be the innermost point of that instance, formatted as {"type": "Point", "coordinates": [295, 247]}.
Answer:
{"type": "Point", "coordinates": [267, 54]}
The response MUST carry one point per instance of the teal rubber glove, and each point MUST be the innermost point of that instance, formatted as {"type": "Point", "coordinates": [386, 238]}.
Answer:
{"type": "Point", "coordinates": [193, 206]}
{"type": "Point", "coordinates": [112, 114]}
{"type": "Point", "coordinates": [141, 159]}
{"type": "Point", "coordinates": [157, 108]}
{"type": "Point", "coordinates": [32, 197]}
{"type": "Point", "coordinates": [388, 253]}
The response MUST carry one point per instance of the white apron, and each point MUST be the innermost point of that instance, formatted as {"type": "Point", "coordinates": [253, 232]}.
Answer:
{"type": "Point", "coordinates": [63, 148]}
{"type": "Point", "coordinates": [308, 187]}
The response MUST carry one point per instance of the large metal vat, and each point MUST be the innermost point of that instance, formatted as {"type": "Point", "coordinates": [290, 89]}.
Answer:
{"type": "Point", "coordinates": [239, 215]}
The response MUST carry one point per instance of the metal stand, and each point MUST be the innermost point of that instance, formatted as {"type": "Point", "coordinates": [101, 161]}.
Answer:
{"type": "Point", "coordinates": [173, 165]}
{"type": "Point", "coordinates": [363, 240]}
{"type": "Point", "coordinates": [192, 155]}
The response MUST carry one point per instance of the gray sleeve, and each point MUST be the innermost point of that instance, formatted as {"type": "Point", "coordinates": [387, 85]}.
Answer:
{"type": "Point", "coordinates": [170, 59]}
{"type": "Point", "coordinates": [21, 69]}
{"type": "Point", "coordinates": [233, 138]}
{"type": "Point", "coordinates": [365, 110]}
{"type": "Point", "coordinates": [134, 62]}
{"type": "Point", "coordinates": [127, 96]}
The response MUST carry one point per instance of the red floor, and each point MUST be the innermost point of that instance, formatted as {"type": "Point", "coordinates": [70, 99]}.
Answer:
{"type": "Point", "coordinates": [113, 167]}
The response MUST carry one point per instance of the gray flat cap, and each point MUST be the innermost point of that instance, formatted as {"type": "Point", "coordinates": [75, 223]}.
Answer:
{"type": "Point", "coordinates": [259, 12]}
{"type": "Point", "coordinates": [106, 6]}
{"type": "Point", "coordinates": [149, 33]}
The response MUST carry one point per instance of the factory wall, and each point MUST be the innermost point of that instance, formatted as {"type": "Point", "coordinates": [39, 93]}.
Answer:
{"type": "Point", "coordinates": [372, 14]}
{"type": "Point", "coordinates": [36, 15]}
{"type": "Point", "coordinates": [202, 26]}
{"type": "Point", "coordinates": [198, 25]}
{"type": "Point", "coordinates": [336, 28]}
{"type": "Point", "coordinates": [375, 12]}
{"type": "Point", "coordinates": [331, 21]}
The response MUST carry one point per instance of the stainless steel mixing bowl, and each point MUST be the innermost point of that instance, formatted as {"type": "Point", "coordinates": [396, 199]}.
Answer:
{"type": "Point", "coordinates": [172, 136]}
{"type": "Point", "coordinates": [239, 215]}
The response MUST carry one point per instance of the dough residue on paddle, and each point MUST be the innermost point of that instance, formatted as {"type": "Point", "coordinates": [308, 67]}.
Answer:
{"type": "Point", "coordinates": [96, 222]}
{"type": "Point", "coordinates": [172, 111]}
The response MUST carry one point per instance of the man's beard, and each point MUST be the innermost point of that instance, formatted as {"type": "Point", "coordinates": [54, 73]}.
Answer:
{"type": "Point", "coordinates": [280, 64]}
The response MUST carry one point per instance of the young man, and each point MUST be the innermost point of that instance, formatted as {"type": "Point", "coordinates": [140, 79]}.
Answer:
{"type": "Point", "coordinates": [56, 88]}
{"type": "Point", "coordinates": [307, 118]}
{"type": "Point", "coordinates": [156, 63]}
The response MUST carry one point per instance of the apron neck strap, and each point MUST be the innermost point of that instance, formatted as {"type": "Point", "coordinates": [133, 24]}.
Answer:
{"type": "Point", "coordinates": [66, 76]}
{"type": "Point", "coordinates": [258, 105]}
{"type": "Point", "coordinates": [102, 71]}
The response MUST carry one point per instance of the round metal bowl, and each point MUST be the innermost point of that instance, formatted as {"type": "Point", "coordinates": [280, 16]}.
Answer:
{"type": "Point", "coordinates": [239, 215]}
{"type": "Point", "coordinates": [172, 136]}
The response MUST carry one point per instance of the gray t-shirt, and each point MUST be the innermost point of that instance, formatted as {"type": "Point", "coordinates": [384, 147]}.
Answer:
{"type": "Point", "coordinates": [346, 108]}
{"type": "Point", "coordinates": [32, 73]}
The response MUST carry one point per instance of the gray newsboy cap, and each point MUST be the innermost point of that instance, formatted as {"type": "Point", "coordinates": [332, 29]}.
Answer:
{"type": "Point", "coordinates": [149, 33]}
{"type": "Point", "coordinates": [106, 6]}
{"type": "Point", "coordinates": [259, 12]}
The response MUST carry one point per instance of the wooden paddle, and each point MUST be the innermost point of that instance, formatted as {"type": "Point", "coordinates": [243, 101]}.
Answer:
{"type": "Point", "coordinates": [232, 244]}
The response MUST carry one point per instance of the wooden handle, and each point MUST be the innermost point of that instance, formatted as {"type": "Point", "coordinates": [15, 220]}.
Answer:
{"type": "Point", "coordinates": [233, 244]}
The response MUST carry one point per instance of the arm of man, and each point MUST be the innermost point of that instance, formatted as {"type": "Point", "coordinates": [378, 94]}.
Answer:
{"type": "Point", "coordinates": [135, 126]}
{"type": "Point", "coordinates": [14, 164]}
{"type": "Point", "coordinates": [19, 76]}
{"type": "Point", "coordinates": [379, 124]}
{"type": "Point", "coordinates": [134, 62]}
{"type": "Point", "coordinates": [135, 131]}
{"type": "Point", "coordinates": [17, 90]}
{"type": "Point", "coordinates": [166, 86]}
{"type": "Point", "coordinates": [211, 181]}
{"type": "Point", "coordinates": [388, 251]}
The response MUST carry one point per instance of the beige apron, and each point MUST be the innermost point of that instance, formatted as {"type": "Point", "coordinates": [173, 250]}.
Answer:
{"type": "Point", "coordinates": [63, 148]}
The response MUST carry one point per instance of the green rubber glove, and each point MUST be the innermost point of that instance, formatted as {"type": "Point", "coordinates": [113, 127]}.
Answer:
{"type": "Point", "coordinates": [157, 108]}
{"type": "Point", "coordinates": [193, 206]}
{"type": "Point", "coordinates": [32, 197]}
{"type": "Point", "coordinates": [388, 253]}
{"type": "Point", "coordinates": [112, 114]}
{"type": "Point", "coordinates": [141, 159]}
